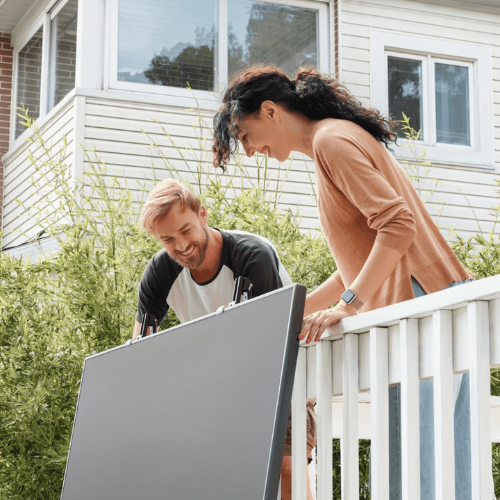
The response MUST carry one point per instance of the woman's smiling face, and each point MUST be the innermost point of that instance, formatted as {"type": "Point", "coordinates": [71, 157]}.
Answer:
{"type": "Point", "coordinates": [263, 133]}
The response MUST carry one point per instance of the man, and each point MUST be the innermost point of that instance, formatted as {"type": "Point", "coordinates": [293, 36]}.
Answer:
{"type": "Point", "coordinates": [194, 273]}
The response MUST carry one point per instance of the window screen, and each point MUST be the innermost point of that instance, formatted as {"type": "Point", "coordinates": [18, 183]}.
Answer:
{"type": "Point", "coordinates": [405, 91]}
{"type": "Point", "coordinates": [261, 32]}
{"type": "Point", "coordinates": [166, 42]}
{"type": "Point", "coordinates": [62, 53]}
{"type": "Point", "coordinates": [452, 104]}
{"type": "Point", "coordinates": [29, 69]}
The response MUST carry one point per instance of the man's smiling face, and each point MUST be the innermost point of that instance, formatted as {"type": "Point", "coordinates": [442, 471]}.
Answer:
{"type": "Point", "coordinates": [183, 234]}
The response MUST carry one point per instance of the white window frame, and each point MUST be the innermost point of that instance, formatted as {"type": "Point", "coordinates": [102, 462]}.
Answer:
{"type": "Point", "coordinates": [112, 81]}
{"type": "Point", "coordinates": [20, 40]}
{"type": "Point", "coordinates": [481, 152]}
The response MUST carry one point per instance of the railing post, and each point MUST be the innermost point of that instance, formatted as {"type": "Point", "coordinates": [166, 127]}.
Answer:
{"type": "Point", "coordinates": [324, 377]}
{"type": "Point", "coordinates": [410, 431]}
{"type": "Point", "coordinates": [350, 443]}
{"type": "Point", "coordinates": [379, 389]}
{"type": "Point", "coordinates": [480, 415]}
{"type": "Point", "coordinates": [444, 405]}
{"type": "Point", "coordinates": [299, 443]}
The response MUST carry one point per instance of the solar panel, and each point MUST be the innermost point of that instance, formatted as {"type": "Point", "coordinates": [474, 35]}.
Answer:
{"type": "Point", "coordinates": [196, 412]}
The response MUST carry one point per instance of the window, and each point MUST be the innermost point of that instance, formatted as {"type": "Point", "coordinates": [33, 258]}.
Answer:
{"type": "Point", "coordinates": [162, 46]}
{"type": "Point", "coordinates": [262, 32]}
{"type": "Point", "coordinates": [62, 53]}
{"type": "Point", "coordinates": [167, 43]}
{"type": "Point", "coordinates": [445, 90]}
{"type": "Point", "coordinates": [45, 63]}
{"type": "Point", "coordinates": [29, 77]}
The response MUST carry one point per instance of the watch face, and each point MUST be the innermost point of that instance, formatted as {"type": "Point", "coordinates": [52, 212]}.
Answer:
{"type": "Point", "coordinates": [348, 296]}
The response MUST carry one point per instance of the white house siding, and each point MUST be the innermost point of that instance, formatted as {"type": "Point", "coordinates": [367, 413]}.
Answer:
{"type": "Point", "coordinates": [19, 226]}
{"type": "Point", "coordinates": [114, 128]}
{"type": "Point", "coordinates": [463, 196]}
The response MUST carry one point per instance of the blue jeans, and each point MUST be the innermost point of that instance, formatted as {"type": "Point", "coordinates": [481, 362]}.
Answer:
{"type": "Point", "coordinates": [463, 486]}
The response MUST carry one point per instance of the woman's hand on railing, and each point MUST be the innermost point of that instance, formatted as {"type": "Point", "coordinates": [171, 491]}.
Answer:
{"type": "Point", "coordinates": [315, 324]}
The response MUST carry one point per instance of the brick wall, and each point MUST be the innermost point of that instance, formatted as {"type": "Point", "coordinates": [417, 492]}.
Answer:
{"type": "Point", "coordinates": [6, 62]}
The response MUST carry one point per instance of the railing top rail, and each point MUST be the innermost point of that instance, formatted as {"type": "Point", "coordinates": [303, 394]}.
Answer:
{"type": "Point", "coordinates": [453, 298]}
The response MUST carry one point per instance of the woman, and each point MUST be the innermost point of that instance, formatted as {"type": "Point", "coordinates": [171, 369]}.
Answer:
{"type": "Point", "coordinates": [385, 244]}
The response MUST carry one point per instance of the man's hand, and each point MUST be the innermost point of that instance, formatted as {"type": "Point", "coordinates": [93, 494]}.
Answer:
{"type": "Point", "coordinates": [315, 324]}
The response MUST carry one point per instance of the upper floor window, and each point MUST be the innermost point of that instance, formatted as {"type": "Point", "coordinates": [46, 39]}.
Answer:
{"type": "Point", "coordinates": [449, 85]}
{"type": "Point", "coordinates": [445, 90]}
{"type": "Point", "coordinates": [45, 63]}
{"type": "Point", "coordinates": [163, 46]}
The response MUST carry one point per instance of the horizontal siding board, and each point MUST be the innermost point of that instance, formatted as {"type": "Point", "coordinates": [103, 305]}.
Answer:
{"type": "Point", "coordinates": [360, 55]}
{"type": "Point", "coordinates": [426, 16]}
{"type": "Point", "coordinates": [146, 115]}
{"type": "Point", "coordinates": [135, 126]}
{"type": "Point", "coordinates": [353, 66]}
{"type": "Point", "coordinates": [361, 91]}
{"type": "Point", "coordinates": [353, 41]}
{"type": "Point", "coordinates": [154, 108]}
{"type": "Point", "coordinates": [412, 8]}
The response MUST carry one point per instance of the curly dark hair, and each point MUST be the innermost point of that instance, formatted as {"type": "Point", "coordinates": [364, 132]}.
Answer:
{"type": "Point", "coordinates": [312, 94]}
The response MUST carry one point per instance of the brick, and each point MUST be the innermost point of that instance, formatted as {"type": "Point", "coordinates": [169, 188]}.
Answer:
{"type": "Point", "coordinates": [6, 86]}
{"type": "Point", "coordinates": [7, 59]}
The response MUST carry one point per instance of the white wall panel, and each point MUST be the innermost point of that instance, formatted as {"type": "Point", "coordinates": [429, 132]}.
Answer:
{"type": "Point", "coordinates": [19, 172]}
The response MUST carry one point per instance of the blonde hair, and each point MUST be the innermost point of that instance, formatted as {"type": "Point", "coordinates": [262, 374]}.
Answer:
{"type": "Point", "coordinates": [163, 197]}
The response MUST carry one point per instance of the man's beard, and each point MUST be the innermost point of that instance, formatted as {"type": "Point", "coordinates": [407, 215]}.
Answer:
{"type": "Point", "coordinates": [196, 258]}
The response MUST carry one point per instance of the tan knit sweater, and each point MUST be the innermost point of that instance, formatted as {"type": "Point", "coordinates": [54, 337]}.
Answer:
{"type": "Point", "coordinates": [364, 196]}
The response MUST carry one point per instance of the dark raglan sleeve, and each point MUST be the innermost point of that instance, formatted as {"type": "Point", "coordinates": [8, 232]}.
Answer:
{"type": "Point", "coordinates": [154, 287]}
{"type": "Point", "coordinates": [252, 258]}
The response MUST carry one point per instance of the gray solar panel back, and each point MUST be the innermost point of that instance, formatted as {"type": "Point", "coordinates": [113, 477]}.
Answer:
{"type": "Point", "coordinates": [197, 412]}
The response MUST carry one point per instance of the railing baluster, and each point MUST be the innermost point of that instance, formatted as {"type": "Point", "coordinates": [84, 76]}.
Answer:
{"type": "Point", "coordinates": [480, 400]}
{"type": "Point", "coordinates": [350, 444]}
{"type": "Point", "coordinates": [410, 440]}
{"type": "Point", "coordinates": [324, 412]}
{"type": "Point", "coordinates": [299, 446]}
{"type": "Point", "coordinates": [443, 405]}
{"type": "Point", "coordinates": [379, 389]}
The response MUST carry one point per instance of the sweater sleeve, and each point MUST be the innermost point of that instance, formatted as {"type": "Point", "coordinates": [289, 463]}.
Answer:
{"type": "Point", "coordinates": [365, 187]}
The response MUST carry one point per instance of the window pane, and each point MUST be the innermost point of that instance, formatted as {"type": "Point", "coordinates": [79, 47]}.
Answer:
{"type": "Point", "coordinates": [62, 53]}
{"type": "Point", "coordinates": [405, 91]}
{"type": "Point", "coordinates": [166, 42]}
{"type": "Point", "coordinates": [29, 64]}
{"type": "Point", "coordinates": [452, 104]}
{"type": "Point", "coordinates": [261, 32]}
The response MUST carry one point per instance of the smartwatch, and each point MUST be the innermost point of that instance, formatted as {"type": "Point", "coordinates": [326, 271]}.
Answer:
{"type": "Point", "coordinates": [349, 297]}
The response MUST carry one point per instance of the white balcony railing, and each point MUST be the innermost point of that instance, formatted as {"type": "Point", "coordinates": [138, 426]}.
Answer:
{"type": "Point", "coordinates": [350, 369]}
